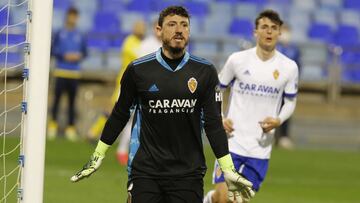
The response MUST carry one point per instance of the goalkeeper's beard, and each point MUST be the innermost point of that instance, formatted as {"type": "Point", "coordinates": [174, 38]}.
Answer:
{"type": "Point", "coordinates": [174, 50]}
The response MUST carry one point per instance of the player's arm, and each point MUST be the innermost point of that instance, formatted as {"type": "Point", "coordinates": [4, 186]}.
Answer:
{"type": "Point", "coordinates": [226, 78]}
{"type": "Point", "coordinates": [218, 140]}
{"type": "Point", "coordinates": [55, 46]}
{"type": "Point", "coordinates": [114, 125]}
{"type": "Point", "coordinates": [289, 105]}
{"type": "Point", "coordinates": [286, 111]}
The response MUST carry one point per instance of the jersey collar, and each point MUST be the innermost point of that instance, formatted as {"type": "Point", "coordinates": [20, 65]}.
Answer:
{"type": "Point", "coordinates": [165, 65]}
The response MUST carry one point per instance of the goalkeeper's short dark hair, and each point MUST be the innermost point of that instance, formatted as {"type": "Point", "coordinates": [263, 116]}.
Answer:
{"type": "Point", "coordinates": [173, 10]}
{"type": "Point", "coordinates": [271, 14]}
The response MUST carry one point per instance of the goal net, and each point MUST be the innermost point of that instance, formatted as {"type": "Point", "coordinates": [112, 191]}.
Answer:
{"type": "Point", "coordinates": [13, 74]}
{"type": "Point", "coordinates": [24, 62]}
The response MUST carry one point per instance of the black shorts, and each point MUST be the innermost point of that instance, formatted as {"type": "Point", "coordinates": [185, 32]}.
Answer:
{"type": "Point", "coordinates": [144, 190]}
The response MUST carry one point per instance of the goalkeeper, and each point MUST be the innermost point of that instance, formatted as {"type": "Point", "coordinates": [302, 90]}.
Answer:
{"type": "Point", "coordinates": [173, 92]}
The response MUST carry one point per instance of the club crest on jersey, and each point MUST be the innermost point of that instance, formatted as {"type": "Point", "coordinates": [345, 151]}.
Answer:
{"type": "Point", "coordinates": [192, 84]}
{"type": "Point", "coordinates": [276, 74]}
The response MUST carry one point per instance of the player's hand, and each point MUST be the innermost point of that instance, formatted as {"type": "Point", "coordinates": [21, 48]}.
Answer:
{"type": "Point", "coordinates": [235, 182]}
{"type": "Point", "coordinates": [72, 57]}
{"type": "Point", "coordinates": [228, 125]}
{"type": "Point", "coordinates": [89, 168]}
{"type": "Point", "coordinates": [269, 123]}
{"type": "Point", "coordinates": [239, 188]}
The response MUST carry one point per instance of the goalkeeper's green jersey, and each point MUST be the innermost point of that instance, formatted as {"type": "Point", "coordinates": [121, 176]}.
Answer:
{"type": "Point", "coordinates": [173, 103]}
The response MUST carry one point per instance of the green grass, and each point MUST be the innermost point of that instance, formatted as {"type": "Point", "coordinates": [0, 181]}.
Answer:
{"type": "Point", "coordinates": [301, 176]}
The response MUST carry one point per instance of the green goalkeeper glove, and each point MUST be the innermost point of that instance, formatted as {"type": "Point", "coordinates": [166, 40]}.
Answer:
{"type": "Point", "coordinates": [237, 184]}
{"type": "Point", "coordinates": [247, 193]}
{"type": "Point", "coordinates": [95, 161]}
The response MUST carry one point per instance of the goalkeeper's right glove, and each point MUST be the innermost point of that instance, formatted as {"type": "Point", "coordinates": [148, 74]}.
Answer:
{"type": "Point", "coordinates": [93, 164]}
{"type": "Point", "coordinates": [236, 183]}
{"type": "Point", "coordinates": [247, 193]}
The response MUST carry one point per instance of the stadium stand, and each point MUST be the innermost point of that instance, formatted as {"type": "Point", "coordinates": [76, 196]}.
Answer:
{"type": "Point", "coordinates": [218, 27]}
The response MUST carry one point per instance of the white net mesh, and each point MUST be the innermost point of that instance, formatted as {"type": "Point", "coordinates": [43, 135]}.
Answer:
{"type": "Point", "coordinates": [13, 73]}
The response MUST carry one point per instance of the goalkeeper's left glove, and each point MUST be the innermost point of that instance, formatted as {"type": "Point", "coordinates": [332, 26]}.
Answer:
{"type": "Point", "coordinates": [93, 164]}
{"type": "Point", "coordinates": [236, 183]}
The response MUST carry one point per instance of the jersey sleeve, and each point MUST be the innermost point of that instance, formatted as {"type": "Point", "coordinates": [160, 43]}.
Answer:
{"type": "Point", "coordinates": [55, 46]}
{"type": "Point", "coordinates": [227, 73]}
{"type": "Point", "coordinates": [291, 86]}
{"type": "Point", "coordinates": [121, 111]}
{"type": "Point", "coordinates": [212, 116]}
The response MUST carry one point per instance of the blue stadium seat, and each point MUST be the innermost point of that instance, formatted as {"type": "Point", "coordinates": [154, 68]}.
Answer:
{"type": "Point", "coordinates": [197, 27]}
{"type": "Point", "coordinates": [94, 61]}
{"type": "Point", "coordinates": [258, 3]}
{"type": "Point", "coordinates": [142, 6]}
{"type": "Point", "coordinates": [350, 63]}
{"type": "Point", "coordinates": [346, 35]}
{"type": "Point", "coordinates": [279, 8]}
{"type": "Point", "coordinates": [12, 39]}
{"type": "Point", "coordinates": [129, 19]}
{"type": "Point", "coordinates": [222, 25]}
{"type": "Point", "coordinates": [230, 48]}
{"type": "Point", "coordinates": [18, 14]}
{"type": "Point", "coordinates": [105, 22]}
{"type": "Point", "coordinates": [113, 61]}
{"type": "Point", "coordinates": [86, 6]}
{"type": "Point", "coordinates": [305, 5]}
{"type": "Point", "coordinates": [352, 4]}
{"type": "Point", "coordinates": [349, 57]}
{"type": "Point", "coordinates": [349, 17]}
{"type": "Point", "coordinates": [159, 5]}
{"type": "Point", "coordinates": [313, 61]}
{"type": "Point", "coordinates": [85, 22]}
{"type": "Point", "coordinates": [58, 19]}
{"type": "Point", "coordinates": [13, 58]}
{"type": "Point", "coordinates": [320, 32]}
{"type": "Point", "coordinates": [219, 8]}
{"type": "Point", "coordinates": [3, 18]}
{"type": "Point", "coordinates": [298, 18]}
{"type": "Point", "coordinates": [100, 43]}
{"type": "Point", "coordinates": [326, 16]}
{"type": "Point", "coordinates": [351, 73]}
{"type": "Point", "coordinates": [201, 48]}
{"type": "Point", "coordinates": [282, 2]}
{"type": "Point", "coordinates": [116, 41]}
{"type": "Point", "coordinates": [242, 27]}
{"type": "Point", "coordinates": [246, 10]}
{"type": "Point", "coordinates": [62, 4]}
{"type": "Point", "coordinates": [229, 1]}
{"type": "Point", "coordinates": [112, 6]}
{"type": "Point", "coordinates": [334, 5]}
{"type": "Point", "coordinates": [199, 9]}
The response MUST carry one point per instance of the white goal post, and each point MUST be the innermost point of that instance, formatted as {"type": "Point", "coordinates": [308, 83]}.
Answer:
{"type": "Point", "coordinates": [39, 36]}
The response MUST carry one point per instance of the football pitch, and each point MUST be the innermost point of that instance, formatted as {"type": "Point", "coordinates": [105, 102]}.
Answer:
{"type": "Point", "coordinates": [299, 176]}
